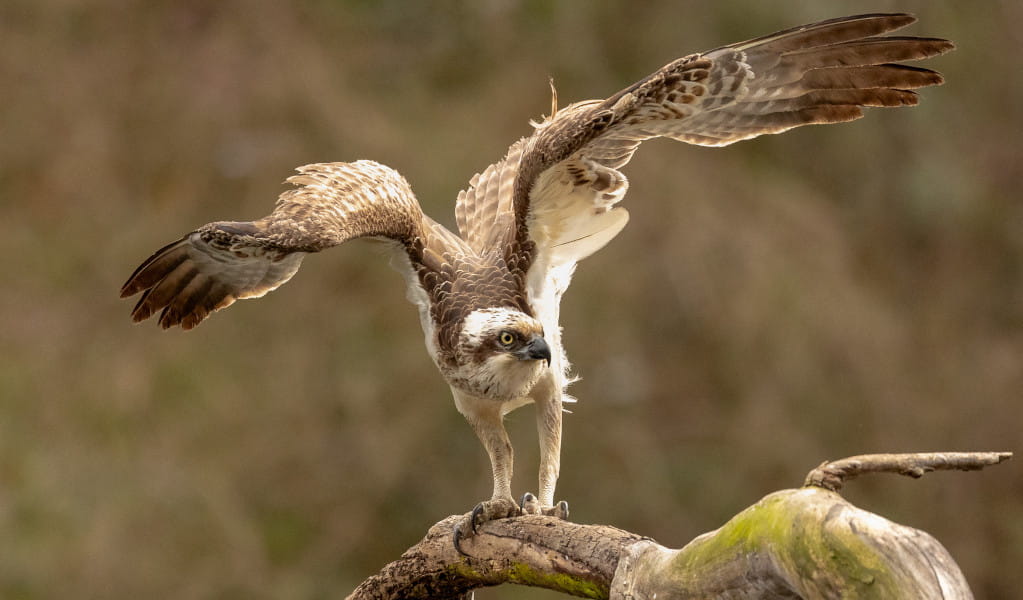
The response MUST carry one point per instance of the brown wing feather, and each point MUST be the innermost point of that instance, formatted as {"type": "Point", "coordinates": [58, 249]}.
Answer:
{"type": "Point", "coordinates": [823, 33]}
{"type": "Point", "coordinates": [484, 211]}
{"type": "Point", "coordinates": [221, 262]}
{"type": "Point", "coordinates": [820, 73]}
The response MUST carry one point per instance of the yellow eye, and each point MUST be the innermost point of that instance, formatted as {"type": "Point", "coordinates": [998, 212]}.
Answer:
{"type": "Point", "coordinates": [506, 338]}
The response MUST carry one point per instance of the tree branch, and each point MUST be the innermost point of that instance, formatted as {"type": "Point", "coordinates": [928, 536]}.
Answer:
{"type": "Point", "coordinates": [801, 543]}
{"type": "Point", "coordinates": [833, 474]}
{"type": "Point", "coordinates": [531, 550]}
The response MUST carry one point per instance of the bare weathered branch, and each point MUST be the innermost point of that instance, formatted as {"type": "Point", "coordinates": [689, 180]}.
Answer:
{"type": "Point", "coordinates": [531, 550]}
{"type": "Point", "coordinates": [833, 474]}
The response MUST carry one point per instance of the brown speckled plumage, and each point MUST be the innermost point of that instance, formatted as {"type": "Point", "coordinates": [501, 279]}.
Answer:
{"type": "Point", "coordinates": [525, 221]}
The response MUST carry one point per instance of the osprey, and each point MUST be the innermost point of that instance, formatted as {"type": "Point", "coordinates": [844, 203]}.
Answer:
{"type": "Point", "coordinates": [488, 297]}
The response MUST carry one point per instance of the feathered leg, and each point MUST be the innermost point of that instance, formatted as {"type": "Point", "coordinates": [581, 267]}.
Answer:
{"type": "Point", "coordinates": [488, 423]}
{"type": "Point", "coordinates": [548, 425]}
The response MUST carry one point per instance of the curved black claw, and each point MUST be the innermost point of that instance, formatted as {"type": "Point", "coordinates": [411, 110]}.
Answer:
{"type": "Point", "coordinates": [488, 510]}
{"type": "Point", "coordinates": [465, 528]}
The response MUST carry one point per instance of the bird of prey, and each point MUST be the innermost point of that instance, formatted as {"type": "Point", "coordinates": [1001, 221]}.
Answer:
{"type": "Point", "coordinates": [488, 296]}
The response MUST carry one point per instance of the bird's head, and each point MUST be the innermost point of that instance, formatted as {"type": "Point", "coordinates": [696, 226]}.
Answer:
{"type": "Point", "coordinates": [501, 353]}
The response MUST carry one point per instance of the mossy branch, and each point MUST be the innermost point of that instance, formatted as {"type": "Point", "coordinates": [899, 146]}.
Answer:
{"type": "Point", "coordinates": [799, 543]}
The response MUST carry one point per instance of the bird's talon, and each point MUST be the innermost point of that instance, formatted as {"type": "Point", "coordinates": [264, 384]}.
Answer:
{"type": "Point", "coordinates": [489, 510]}
{"type": "Point", "coordinates": [474, 518]}
{"type": "Point", "coordinates": [529, 504]}
{"type": "Point", "coordinates": [456, 537]}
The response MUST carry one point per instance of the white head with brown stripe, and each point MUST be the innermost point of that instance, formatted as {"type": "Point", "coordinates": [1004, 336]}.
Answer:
{"type": "Point", "coordinates": [500, 354]}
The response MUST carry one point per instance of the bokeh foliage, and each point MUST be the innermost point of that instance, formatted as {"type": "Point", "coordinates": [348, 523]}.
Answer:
{"type": "Point", "coordinates": [832, 291]}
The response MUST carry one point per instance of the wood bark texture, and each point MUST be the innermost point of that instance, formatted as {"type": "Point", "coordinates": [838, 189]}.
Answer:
{"type": "Point", "coordinates": [800, 543]}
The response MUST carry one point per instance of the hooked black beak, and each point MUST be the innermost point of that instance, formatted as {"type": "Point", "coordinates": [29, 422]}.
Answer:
{"type": "Point", "coordinates": [536, 349]}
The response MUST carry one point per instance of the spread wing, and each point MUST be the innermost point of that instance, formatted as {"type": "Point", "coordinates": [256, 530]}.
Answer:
{"type": "Point", "coordinates": [551, 201]}
{"type": "Point", "coordinates": [221, 262]}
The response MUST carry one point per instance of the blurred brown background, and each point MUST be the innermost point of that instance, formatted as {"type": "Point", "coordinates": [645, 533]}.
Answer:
{"type": "Point", "coordinates": [831, 291]}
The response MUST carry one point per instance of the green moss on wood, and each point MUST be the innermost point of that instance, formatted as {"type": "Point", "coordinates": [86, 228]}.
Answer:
{"type": "Point", "coordinates": [523, 574]}
{"type": "Point", "coordinates": [814, 547]}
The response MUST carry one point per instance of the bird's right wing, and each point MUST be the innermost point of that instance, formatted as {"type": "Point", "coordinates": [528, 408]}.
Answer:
{"type": "Point", "coordinates": [553, 200]}
{"type": "Point", "coordinates": [566, 175]}
{"type": "Point", "coordinates": [224, 261]}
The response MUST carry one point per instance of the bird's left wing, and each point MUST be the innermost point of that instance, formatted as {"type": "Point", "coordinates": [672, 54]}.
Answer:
{"type": "Point", "coordinates": [822, 73]}
{"type": "Point", "coordinates": [332, 203]}
{"type": "Point", "coordinates": [551, 201]}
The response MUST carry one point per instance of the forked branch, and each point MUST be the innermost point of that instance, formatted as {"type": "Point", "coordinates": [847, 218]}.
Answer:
{"type": "Point", "coordinates": [801, 543]}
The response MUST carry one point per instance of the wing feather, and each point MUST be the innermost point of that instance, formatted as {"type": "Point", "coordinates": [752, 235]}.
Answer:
{"type": "Point", "coordinates": [224, 261]}
{"type": "Point", "coordinates": [566, 182]}
{"type": "Point", "coordinates": [820, 73]}
{"type": "Point", "coordinates": [484, 211]}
